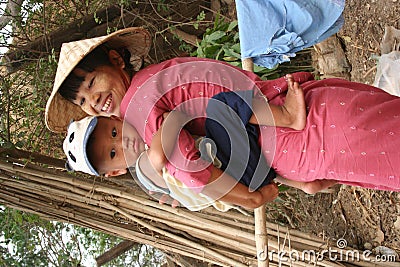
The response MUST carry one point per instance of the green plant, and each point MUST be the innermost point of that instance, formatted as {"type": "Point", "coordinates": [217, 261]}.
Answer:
{"type": "Point", "coordinates": [199, 18]}
{"type": "Point", "coordinates": [221, 42]}
{"type": "Point", "coordinates": [97, 19]}
{"type": "Point", "coordinates": [162, 6]}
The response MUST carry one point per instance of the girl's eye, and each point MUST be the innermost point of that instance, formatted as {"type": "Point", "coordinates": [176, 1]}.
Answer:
{"type": "Point", "coordinates": [82, 101]}
{"type": "Point", "coordinates": [114, 132]}
{"type": "Point", "coordinates": [91, 82]}
{"type": "Point", "coordinates": [112, 153]}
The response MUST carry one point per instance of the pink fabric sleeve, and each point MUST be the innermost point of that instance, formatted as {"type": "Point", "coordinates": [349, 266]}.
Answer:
{"type": "Point", "coordinates": [187, 166]}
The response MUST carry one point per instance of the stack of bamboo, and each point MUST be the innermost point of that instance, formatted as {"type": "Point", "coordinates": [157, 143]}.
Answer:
{"type": "Point", "coordinates": [121, 208]}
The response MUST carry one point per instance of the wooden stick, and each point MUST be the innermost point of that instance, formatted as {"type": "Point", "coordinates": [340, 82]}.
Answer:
{"type": "Point", "coordinates": [247, 64]}
{"type": "Point", "coordinates": [260, 236]}
{"type": "Point", "coordinates": [260, 218]}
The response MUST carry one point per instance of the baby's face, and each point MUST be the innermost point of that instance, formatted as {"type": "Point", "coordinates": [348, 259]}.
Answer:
{"type": "Point", "coordinates": [116, 145]}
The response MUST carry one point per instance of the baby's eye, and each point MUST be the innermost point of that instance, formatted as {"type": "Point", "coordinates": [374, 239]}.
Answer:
{"type": "Point", "coordinates": [82, 101]}
{"type": "Point", "coordinates": [112, 153]}
{"type": "Point", "coordinates": [114, 132]}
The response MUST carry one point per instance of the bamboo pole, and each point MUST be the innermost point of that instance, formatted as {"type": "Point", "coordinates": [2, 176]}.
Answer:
{"type": "Point", "coordinates": [260, 232]}
{"type": "Point", "coordinates": [260, 235]}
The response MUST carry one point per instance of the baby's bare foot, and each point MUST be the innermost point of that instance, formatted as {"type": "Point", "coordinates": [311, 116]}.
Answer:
{"type": "Point", "coordinates": [295, 106]}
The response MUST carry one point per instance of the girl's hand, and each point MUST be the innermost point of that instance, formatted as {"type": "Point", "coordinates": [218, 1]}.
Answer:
{"type": "Point", "coordinates": [165, 115]}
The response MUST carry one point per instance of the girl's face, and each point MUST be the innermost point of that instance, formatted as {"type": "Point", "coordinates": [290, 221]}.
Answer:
{"type": "Point", "coordinates": [116, 145]}
{"type": "Point", "coordinates": [102, 90]}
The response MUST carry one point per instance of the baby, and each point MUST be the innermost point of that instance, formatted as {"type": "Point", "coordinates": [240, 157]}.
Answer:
{"type": "Point", "coordinates": [106, 146]}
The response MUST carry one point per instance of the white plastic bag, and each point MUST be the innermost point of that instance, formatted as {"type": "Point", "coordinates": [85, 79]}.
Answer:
{"type": "Point", "coordinates": [388, 73]}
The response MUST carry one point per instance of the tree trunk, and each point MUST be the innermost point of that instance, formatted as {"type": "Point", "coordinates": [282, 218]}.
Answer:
{"type": "Point", "coordinates": [42, 45]}
{"type": "Point", "coordinates": [116, 251]}
{"type": "Point", "coordinates": [31, 157]}
{"type": "Point", "coordinates": [143, 14]}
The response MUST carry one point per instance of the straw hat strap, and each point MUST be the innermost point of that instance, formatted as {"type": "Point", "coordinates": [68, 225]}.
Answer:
{"type": "Point", "coordinates": [127, 82]}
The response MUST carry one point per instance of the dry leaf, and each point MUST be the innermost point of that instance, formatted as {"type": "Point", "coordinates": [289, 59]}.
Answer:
{"type": "Point", "coordinates": [346, 38]}
{"type": "Point", "coordinates": [397, 223]}
{"type": "Point", "coordinates": [380, 236]}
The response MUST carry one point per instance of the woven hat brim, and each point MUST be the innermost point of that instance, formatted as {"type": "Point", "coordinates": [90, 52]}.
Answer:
{"type": "Point", "coordinates": [59, 112]}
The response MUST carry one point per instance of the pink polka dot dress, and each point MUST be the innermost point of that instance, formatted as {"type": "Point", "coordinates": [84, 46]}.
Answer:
{"type": "Point", "coordinates": [352, 135]}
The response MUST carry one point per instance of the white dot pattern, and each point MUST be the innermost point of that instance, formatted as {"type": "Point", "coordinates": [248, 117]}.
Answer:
{"type": "Point", "coordinates": [351, 135]}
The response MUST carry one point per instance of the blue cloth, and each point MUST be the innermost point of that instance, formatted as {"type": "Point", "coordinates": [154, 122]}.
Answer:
{"type": "Point", "coordinates": [271, 31]}
{"type": "Point", "coordinates": [236, 140]}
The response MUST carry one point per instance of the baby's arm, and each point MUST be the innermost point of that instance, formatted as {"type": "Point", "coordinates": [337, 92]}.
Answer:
{"type": "Point", "coordinates": [154, 159]}
{"type": "Point", "coordinates": [165, 139]}
{"type": "Point", "coordinates": [147, 175]}
{"type": "Point", "coordinates": [221, 186]}
{"type": "Point", "coordinates": [161, 146]}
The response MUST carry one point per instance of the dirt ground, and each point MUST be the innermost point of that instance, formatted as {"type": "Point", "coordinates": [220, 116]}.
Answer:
{"type": "Point", "coordinates": [365, 218]}
{"type": "Point", "coordinates": [364, 27]}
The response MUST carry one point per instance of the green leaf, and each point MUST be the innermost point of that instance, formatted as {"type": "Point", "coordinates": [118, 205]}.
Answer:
{"type": "Point", "coordinates": [236, 48]}
{"type": "Point", "coordinates": [201, 16]}
{"type": "Point", "coordinates": [236, 63]}
{"type": "Point", "coordinates": [20, 144]}
{"type": "Point", "coordinates": [212, 51]}
{"type": "Point", "coordinates": [199, 52]}
{"type": "Point", "coordinates": [232, 25]}
{"type": "Point", "coordinates": [259, 68]}
{"type": "Point", "coordinates": [229, 52]}
{"type": "Point", "coordinates": [236, 37]}
{"type": "Point", "coordinates": [230, 59]}
{"type": "Point", "coordinates": [283, 188]}
{"type": "Point", "coordinates": [214, 36]}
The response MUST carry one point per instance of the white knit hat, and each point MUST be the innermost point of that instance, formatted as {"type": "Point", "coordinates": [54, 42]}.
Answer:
{"type": "Point", "coordinates": [75, 145]}
{"type": "Point", "coordinates": [59, 111]}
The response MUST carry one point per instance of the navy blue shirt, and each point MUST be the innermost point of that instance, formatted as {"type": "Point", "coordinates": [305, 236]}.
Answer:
{"type": "Point", "coordinates": [236, 140]}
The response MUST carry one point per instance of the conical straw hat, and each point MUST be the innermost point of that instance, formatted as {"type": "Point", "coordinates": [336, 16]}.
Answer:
{"type": "Point", "coordinates": [59, 111]}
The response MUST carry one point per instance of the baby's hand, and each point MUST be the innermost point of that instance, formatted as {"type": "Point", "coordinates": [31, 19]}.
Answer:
{"type": "Point", "coordinates": [167, 199]}
{"type": "Point", "coordinates": [269, 192]}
